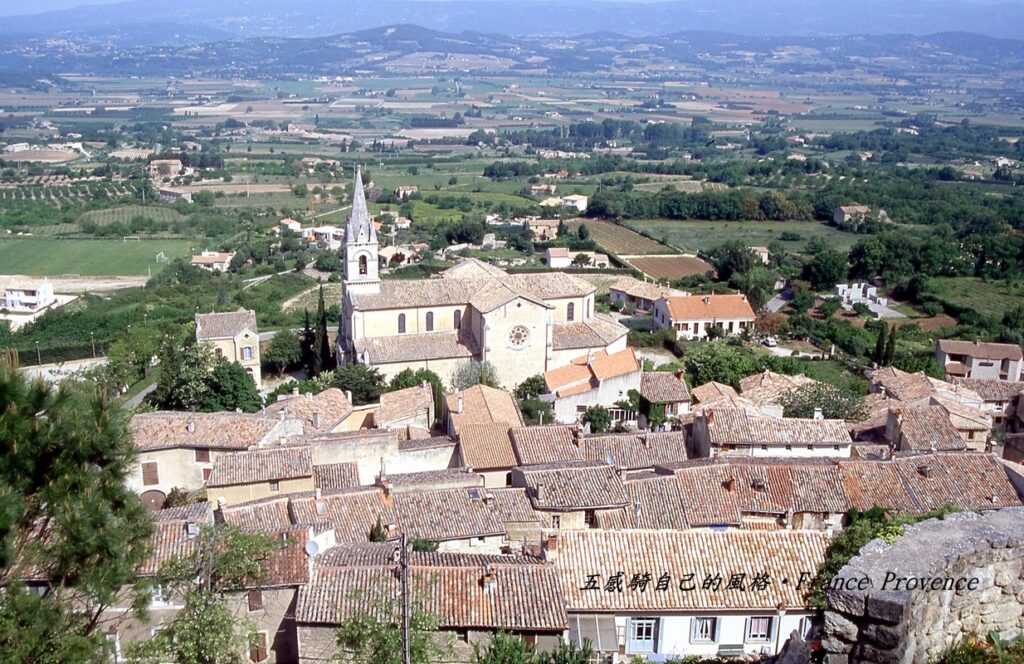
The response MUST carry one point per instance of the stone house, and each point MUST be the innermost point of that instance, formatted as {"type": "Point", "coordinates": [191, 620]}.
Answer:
{"type": "Point", "coordinates": [692, 316]}
{"type": "Point", "coordinates": [975, 359]}
{"type": "Point", "coordinates": [235, 337]}
{"type": "Point", "coordinates": [737, 431]}
{"type": "Point", "coordinates": [665, 391]}
{"type": "Point", "coordinates": [260, 473]}
{"type": "Point", "coordinates": [571, 494]}
{"type": "Point", "coordinates": [480, 404]}
{"type": "Point", "coordinates": [641, 295]}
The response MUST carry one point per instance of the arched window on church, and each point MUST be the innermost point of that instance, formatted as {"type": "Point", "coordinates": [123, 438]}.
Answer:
{"type": "Point", "coordinates": [430, 321]}
{"type": "Point", "coordinates": [458, 319]}
{"type": "Point", "coordinates": [363, 265]}
{"type": "Point", "coordinates": [570, 312]}
{"type": "Point", "coordinates": [401, 323]}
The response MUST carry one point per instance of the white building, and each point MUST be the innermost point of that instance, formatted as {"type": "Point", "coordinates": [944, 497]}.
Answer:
{"type": "Point", "coordinates": [562, 257]}
{"type": "Point", "coordinates": [214, 261]}
{"type": "Point", "coordinates": [330, 237]}
{"type": "Point", "coordinates": [600, 379]}
{"type": "Point", "coordinates": [25, 296]}
{"type": "Point", "coordinates": [861, 292]}
{"type": "Point", "coordinates": [691, 316]}
{"type": "Point", "coordinates": [576, 202]}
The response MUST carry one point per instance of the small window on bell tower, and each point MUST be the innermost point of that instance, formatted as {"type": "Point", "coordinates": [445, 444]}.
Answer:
{"type": "Point", "coordinates": [363, 265]}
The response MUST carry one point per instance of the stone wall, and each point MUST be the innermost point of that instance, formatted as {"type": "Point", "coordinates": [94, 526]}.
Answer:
{"type": "Point", "coordinates": [943, 580]}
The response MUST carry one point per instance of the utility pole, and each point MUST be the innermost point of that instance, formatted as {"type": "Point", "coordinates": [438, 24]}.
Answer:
{"type": "Point", "coordinates": [404, 564]}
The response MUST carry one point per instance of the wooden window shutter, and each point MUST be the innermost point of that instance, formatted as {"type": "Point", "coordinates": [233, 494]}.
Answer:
{"type": "Point", "coordinates": [255, 600]}
{"type": "Point", "coordinates": [202, 456]}
{"type": "Point", "coordinates": [258, 647]}
{"type": "Point", "coordinates": [206, 473]}
{"type": "Point", "coordinates": [150, 474]}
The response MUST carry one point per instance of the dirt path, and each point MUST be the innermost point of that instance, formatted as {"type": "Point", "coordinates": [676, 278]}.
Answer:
{"type": "Point", "coordinates": [78, 284]}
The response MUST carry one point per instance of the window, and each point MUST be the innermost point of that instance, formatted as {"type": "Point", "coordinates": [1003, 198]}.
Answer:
{"type": "Point", "coordinates": [759, 628]}
{"type": "Point", "coordinates": [202, 456]}
{"type": "Point", "coordinates": [275, 486]}
{"type": "Point", "coordinates": [430, 321]}
{"type": "Point", "coordinates": [556, 522]}
{"type": "Point", "coordinates": [150, 474]}
{"type": "Point", "coordinates": [401, 323]}
{"type": "Point", "coordinates": [590, 518]}
{"type": "Point", "coordinates": [570, 311]}
{"type": "Point", "coordinates": [458, 319]}
{"type": "Point", "coordinates": [641, 635]}
{"type": "Point", "coordinates": [246, 352]}
{"type": "Point", "coordinates": [364, 267]}
{"type": "Point", "coordinates": [206, 473]}
{"type": "Point", "coordinates": [255, 599]}
{"type": "Point", "coordinates": [508, 479]}
{"type": "Point", "coordinates": [258, 647]}
{"type": "Point", "coordinates": [704, 630]}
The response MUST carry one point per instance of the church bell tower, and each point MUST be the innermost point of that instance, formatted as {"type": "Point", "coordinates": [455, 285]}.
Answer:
{"type": "Point", "coordinates": [360, 254]}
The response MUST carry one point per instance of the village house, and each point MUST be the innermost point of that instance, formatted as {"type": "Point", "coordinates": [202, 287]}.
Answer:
{"type": "Point", "coordinates": [575, 202]}
{"type": "Point", "coordinates": [641, 295]}
{"type": "Point", "coordinates": [328, 237]}
{"type": "Point", "coordinates": [234, 337]}
{"type": "Point", "coordinates": [404, 191]}
{"type": "Point", "coordinates": [411, 407]}
{"type": "Point", "coordinates": [542, 189]}
{"type": "Point", "coordinates": [213, 261]}
{"type": "Point", "coordinates": [859, 292]}
{"type": "Point", "coordinates": [762, 253]}
{"type": "Point", "coordinates": [1001, 399]}
{"type": "Point", "coordinates": [473, 597]}
{"type": "Point", "coordinates": [692, 316]}
{"type": "Point", "coordinates": [596, 379]}
{"type": "Point", "coordinates": [291, 226]}
{"type": "Point", "coordinates": [572, 494]}
{"type": "Point", "coordinates": [923, 429]}
{"type": "Point", "coordinates": [165, 169]}
{"type": "Point", "coordinates": [976, 359]}
{"type": "Point", "coordinates": [172, 196]}
{"type": "Point", "coordinates": [23, 299]}
{"type": "Point", "coordinates": [543, 230]}
{"type": "Point", "coordinates": [260, 473]}
{"type": "Point", "coordinates": [611, 581]}
{"type": "Point", "coordinates": [630, 451]}
{"type": "Point", "coordinates": [736, 431]}
{"type": "Point", "coordinates": [178, 450]}
{"type": "Point", "coordinates": [561, 258]}
{"type": "Point", "coordinates": [522, 324]}
{"type": "Point", "coordinates": [480, 404]}
{"type": "Point", "coordinates": [325, 412]}
{"type": "Point", "coordinates": [665, 391]}
{"type": "Point", "coordinates": [374, 451]}
{"type": "Point", "coordinates": [851, 217]}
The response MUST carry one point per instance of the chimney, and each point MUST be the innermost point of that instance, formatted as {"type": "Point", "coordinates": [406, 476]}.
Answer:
{"type": "Point", "coordinates": [192, 529]}
{"type": "Point", "coordinates": [190, 426]}
{"type": "Point", "coordinates": [643, 440]}
{"type": "Point", "coordinates": [489, 498]}
{"type": "Point", "coordinates": [489, 580]}
{"type": "Point", "coordinates": [348, 395]}
{"type": "Point", "coordinates": [538, 492]}
{"type": "Point", "coordinates": [576, 434]}
{"type": "Point", "coordinates": [551, 547]}
{"type": "Point", "coordinates": [218, 512]}
{"type": "Point", "coordinates": [707, 299]}
{"type": "Point", "coordinates": [295, 391]}
{"type": "Point", "coordinates": [729, 483]}
{"type": "Point", "coordinates": [757, 484]}
{"type": "Point", "coordinates": [316, 420]}
{"type": "Point", "coordinates": [925, 470]}
{"type": "Point", "coordinates": [458, 404]}
{"type": "Point", "coordinates": [818, 415]}
{"type": "Point", "coordinates": [321, 507]}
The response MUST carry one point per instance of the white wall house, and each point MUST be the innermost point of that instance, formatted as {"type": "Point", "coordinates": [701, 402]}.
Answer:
{"type": "Point", "coordinates": [25, 296]}
{"type": "Point", "coordinates": [598, 380]}
{"type": "Point", "coordinates": [691, 316]}
{"type": "Point", "coordinates": [861, 292]}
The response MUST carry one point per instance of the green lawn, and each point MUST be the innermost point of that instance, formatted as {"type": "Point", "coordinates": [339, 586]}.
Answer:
{"type": "Point", "coordinates": [87, 257]}
{"type": "Point", "coordinates": [989, 298]}
{"type": "Point", "coordinates": [700, 235]}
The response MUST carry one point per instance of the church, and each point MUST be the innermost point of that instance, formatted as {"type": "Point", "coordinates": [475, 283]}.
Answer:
{"type": "Point", "coordinates": [522, 324]}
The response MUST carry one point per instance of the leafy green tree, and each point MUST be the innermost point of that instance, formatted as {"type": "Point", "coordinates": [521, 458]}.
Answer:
{"type": "Point", "coordinates": [803, 299]}
{"type": "Point", "coordinates": [230, 387]}
{"type": "Point", "coordinates": [374, 635]}
{"type": "Point", "coordinates": [505, 648]}
{"type": "Point", "coordinates": [890, 348]}
{"type": "Point", "coordinates": [729, 258]}
{"type": "Point", "coordinates": [833, 401]}
{"type": "Point", "coordinates": [826, 268]}
{"type": "Point", "coordinates": [581, 260]}
{"type": "Point", "coordinates": [720, 362]}
{"type": "Point", "coordinates": [583, 233]}
{"type": "Point", "coordinates": [536, 411]}
{"type": "Point", "coordinates": [183, 376]}
{"type": "Point", "coordinates": [531, 388]}
{"type": "Point", "coordinates": [378, 533]}
{"type": "Point", "coordinates": [409, 378]}
{"type": "Point", "coordinates": [283, 352]}
{"type": "Point", "coordinates": [206, 631]}
{"type": "Point", "coordinates": [563, 228]}
{"type": "Point", "coordinates": [757, 284]}
{"type": "Point", "coordinates": [599, 419]}
{"type": "Point", "coordinates": [65, 472]}
{"type": "Point", "coordinates": [365, 383]}
{"type": "Point", "coordinates": [829, 307]}
{"type": "Point", "coordinates": [474, 373]}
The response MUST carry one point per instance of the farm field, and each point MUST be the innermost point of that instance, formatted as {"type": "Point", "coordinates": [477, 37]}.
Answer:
{"type": "Point", "coordinates": [670, 267]}
{"type": "Point", "coordinates": [126, 213]}
{"type": "Point", "coordinates": [987, 298]}
{"type": "Point", "coordinates": [619, 239]}
{"type": "Point", "coordinates": [40, 257]}
{"type": "Point", "coordinates": [696, 236]}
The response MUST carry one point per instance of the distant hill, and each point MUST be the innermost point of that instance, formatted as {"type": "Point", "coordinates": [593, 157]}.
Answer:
{"type": "Point", "coordinates": [312, 18]}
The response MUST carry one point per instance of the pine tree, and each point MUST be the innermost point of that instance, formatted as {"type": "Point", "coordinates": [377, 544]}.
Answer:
{"type": "Point", "coordinates": [879, 356]}
{"type": "Point", "coordinates": [890, 348]}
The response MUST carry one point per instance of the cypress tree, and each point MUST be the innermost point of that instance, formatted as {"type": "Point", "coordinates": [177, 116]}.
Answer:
{"type": "Point", "coordinates": [890, 348]}
{"type": "Point", "coordinates": [307, 346]}
{"type": "Point", "coordinates": [879, 356]}
{"type": "Point", "coordinates": [319, 341]}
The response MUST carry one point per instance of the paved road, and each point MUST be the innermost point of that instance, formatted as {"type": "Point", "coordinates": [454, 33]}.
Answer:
{"type": "Point", "coordinates": [777, 303]}
{"type": "Point", "coordinates": [137, 399]}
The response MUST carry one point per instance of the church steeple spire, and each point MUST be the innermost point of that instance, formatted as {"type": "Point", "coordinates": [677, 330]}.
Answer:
{"type": "Point", "coordinates": [360, 225]}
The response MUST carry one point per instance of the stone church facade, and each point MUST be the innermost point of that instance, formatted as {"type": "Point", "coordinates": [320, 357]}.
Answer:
{"type": "Point", "coordinates": [523, 324]}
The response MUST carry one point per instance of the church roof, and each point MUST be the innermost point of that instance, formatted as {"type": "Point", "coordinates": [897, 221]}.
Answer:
{"type": "Point", "coordinates": [403, 293]}
{"type": "Point", "coordinates": [359, 218]}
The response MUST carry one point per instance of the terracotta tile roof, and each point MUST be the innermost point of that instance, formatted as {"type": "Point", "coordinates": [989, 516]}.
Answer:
{"type": "Point", "coordinates": [962, 416]}
{"type": "Point", "coordinates": [990, 389]}
{"type": "Point", "coordinates": [403, 404]}
{"type": "Point", "coordinates": [588, 371]}
{"type": "Point", "coordinates": [447, 514]}
{"type": "Point", "coordinates": [446, 478]}
{"type": "Point", "coordinates": [260, 516]}
{"type": "Point", "coordinates": [336, 475]}
{"type": "Point", "coordinates": [597, 332]}
{"type": "Point", "coordinates": [170, 540]}
{"type": "Point", "coordinates": [902, 385]}
{"type": "Point", "coordinates": [544, 444]}
{"type": "Point", "coordinates": [483, 405]}
{"type": "Point", "coordinates": [493, 294]}
{"type": "Point", "coordinates": [376, 554]}
{"type": "Point", "coordinates": [709, 307]}
{"type": "Point", "coordinates": [966, 481]}
{"type": "Point", "coordinates": [287, 565]}
{"type": "Point", "coordinates": [486, 446]}
{"type": "Point", "coordinates": [512, 505]}
{"type": "Point", "coordinates": [523, 597]}
{"type": "Point", "coordinates": [571, 485]}
{"type": "Point", "coordinates": [642, 289]}
{"type": "Point", "coordinates": [225, 325]}
{"type": "Point", "coordinates": [663, 387]}
{"type": "Point", "coordinates": [769, 387]}
{"type": "Point", "coordinates": [980, 349]}
{"type": "Point", "coordinates": [709, 392]}
{"type": "Point", "coordinates": [927, 428]}
{"type": "Point", "coordinates": [736, 426]}
{"type": "Point", "coordinates": [702, 553]}
{"type": "Point", "coordinates": [195, 512]}
{"type": "Point", "coordinates": [635, 450]}
{"type": "Point", "coordinates": [415, 347]}
{"type": "Point", "coordinates": [472, 268]}
{"type": "Point", "coordinates": [352, 512]}
{"type": "Point", "coordinates": [262, 465]}
{"type": "Point", "coordinates": [404, 293]}
{"type": "Point", "coordinates": [230, 431]}
{"type": "Point", "coordinates": [319, 413]}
